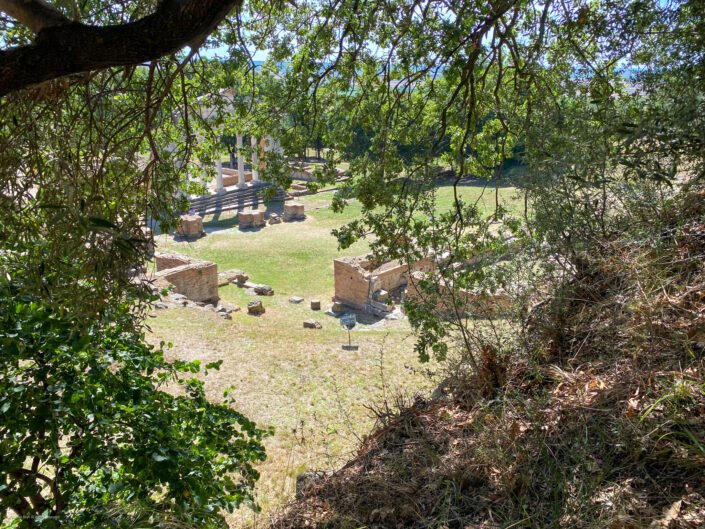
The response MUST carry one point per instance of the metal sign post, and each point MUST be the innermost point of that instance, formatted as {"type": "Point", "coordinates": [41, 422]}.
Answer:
{"type": "Point", "coordinates": [348, 321]}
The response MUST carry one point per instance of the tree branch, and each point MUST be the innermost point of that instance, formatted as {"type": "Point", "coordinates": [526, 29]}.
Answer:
{"type": "Point", "coordinates": [33, 14]}
{"type": "Point", "coordinates": [72, 47]}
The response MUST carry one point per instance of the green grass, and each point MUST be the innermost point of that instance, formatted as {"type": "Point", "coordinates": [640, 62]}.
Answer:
{"type": "Point", "coordinates": [297, 380]}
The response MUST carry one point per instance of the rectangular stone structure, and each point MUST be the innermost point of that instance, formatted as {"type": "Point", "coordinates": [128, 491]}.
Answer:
{"type": "Point", "coordinates": [191, 226]}
{"type": "Point", "coordinates": [193, 278]}
{"type": "Point", "coordinates": [293, 211]}
{"type": "Point", "coordinates": [250, 218]}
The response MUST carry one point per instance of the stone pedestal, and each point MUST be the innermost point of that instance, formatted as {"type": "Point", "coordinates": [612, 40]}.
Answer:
{"type": "Point", "coordinates": [293, 211]}
{"type": "Point", "coordinates": [250, 218]}
{"type": "Point", "coordinates": [191, 226]}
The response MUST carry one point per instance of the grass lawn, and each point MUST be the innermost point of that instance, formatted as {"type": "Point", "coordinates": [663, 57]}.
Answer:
{"type": "Point", "coordinates": [297, 380]}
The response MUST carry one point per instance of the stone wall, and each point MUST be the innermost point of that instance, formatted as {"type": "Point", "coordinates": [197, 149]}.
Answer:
{"type": "Point", "coordinates": [352, 282]}
{"type": "Point", "coordinates": [464, 300]}
{"type": "Point", "coordinates": [390, 275]}
{"type": "Point", "coordinates": [195, 279]}
{"type": "Point", "coordinates": [170, 260]}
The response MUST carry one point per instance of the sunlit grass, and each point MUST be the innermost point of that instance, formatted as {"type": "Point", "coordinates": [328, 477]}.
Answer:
{"type": "Point", "coordinates": [297, 380]}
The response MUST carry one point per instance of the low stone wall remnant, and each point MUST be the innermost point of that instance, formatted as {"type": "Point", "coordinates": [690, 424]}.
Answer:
{"type": "Point", "coordinates": [193, 278]}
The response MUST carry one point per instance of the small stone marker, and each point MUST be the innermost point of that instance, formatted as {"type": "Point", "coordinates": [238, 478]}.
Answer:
{"type": "Point", "coordinates": [312, 324]}
{"type": "Point", "coordinates": [315, 304]}
{"type": "Point", "coordinates": [337, 307]}
{"type": "Point", "coordinates": [255, 308]}
{"type": "Point", "coordinates": [235, 276]}
{"type": "Point", "coordinates": [274, 218]}
{"type": "Point", "coordinates": [263, 290]}
{"type": "Point", "coordinates": [296, 299]}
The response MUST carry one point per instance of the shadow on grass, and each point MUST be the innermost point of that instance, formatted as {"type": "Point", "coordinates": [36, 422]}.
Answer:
{"type": "Point", "coordinates": [220, 221]}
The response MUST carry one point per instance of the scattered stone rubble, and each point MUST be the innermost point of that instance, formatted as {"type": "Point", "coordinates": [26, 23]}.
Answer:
{"type": "Point", "coordinates": [256, 308]}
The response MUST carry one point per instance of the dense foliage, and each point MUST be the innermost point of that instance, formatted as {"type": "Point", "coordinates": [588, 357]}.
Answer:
{"type": "Point", "coordinates": [596, 107]}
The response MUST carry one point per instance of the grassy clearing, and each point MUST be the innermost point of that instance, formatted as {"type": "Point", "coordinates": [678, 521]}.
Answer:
{"type": "Point", "coordinates": [297, 380]}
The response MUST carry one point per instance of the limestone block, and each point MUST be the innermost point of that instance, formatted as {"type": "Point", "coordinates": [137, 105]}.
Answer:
{"type": "Point", "coordinates": [190, 226]}
{"type": "Point", "coordinates": [293, 211]}
{"type": "Point", "coordinates": [250, 218]}
{"type": "Point", "coordinates": [315, 304]}
{"type": "Point", "coordinates": [312, 324]}
{"type": "Point", "coordinates": [274, 218]}
{"type": "Point", "coordinates": [263, 290]}
{"type": "Point", "coordinates": [235, 276]}
{"type": "Point", "coordinates": [255, 308]}
{"type": "Point", "coordinates": [337, 307]}
{"type": "Point", "coordinates": [296, 299]}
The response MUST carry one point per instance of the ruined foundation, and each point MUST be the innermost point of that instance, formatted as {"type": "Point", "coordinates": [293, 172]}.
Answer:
{"type": "Point", "coordinates": [193, 278]}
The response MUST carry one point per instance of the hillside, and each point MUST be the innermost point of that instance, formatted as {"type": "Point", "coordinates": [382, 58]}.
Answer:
{"type": "Point", "coordinates": [595, 419]}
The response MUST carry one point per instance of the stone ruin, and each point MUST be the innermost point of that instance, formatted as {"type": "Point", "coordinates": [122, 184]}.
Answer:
{"type": "Point", "coordinates": [362, 285]}
{"type": "Point", "coordinates": [190, 227]}
{"type": "Point", "coordinates": [293, 211]}
{"type": "Point", "coordinates": [193, 278]}
{"type": "Point", "coordinates": [462, 300]}
{"type": "Point", "coordinates": [250, 218]}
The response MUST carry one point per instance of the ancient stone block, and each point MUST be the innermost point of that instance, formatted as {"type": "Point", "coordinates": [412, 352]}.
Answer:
{"type": "Point", "coordinates": [250, 218]}
{"type": "Point", "coordinates": [312, 324]}
{"type": "Point", "coordinates": [274, 218]}
{"type": "Point", "coordinates": [315, 304]}
{"type": "Point", "coordinates": [255, 308]}
{"type": "Point", "coordinates": [235, 276]}
{"type": "Point", "coordinates": [263, 290]}
{"type": "Point", "coordinates": [190, 226]}
{"type": "Point", "coordinates": [293, 211]}
{"type": "Point", "coordinates": [296, 299]}
{"type": "Point", "coordinates": [337, 307]}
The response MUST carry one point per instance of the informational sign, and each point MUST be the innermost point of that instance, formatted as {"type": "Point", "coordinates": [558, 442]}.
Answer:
{"type": "Point", "coordinates": [348, 321]}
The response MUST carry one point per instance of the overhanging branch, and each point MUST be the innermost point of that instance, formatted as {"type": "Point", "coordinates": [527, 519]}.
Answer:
{"type": "Point", "coordinates": [71, 47]}
{"type": "Point", "coordinates": [33, 14]}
